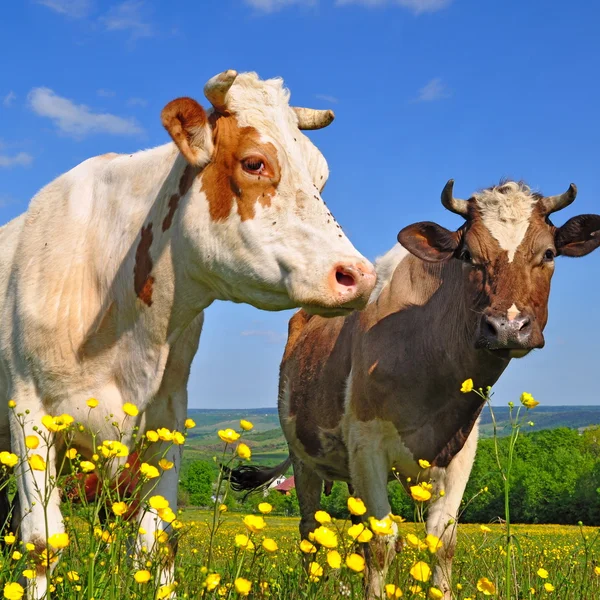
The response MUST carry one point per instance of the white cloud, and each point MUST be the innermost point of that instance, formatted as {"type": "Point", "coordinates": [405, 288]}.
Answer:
{"type": "Point", "coordinates": [77, 9]}
{"type": "Point", "coordinates": [434, 90]}
{"type": "Point", "coordinates": [327, 98]}
{"type": "Point", "coordinates": [22, 159]}
{"type": "Point", "coordinates": [273, 337]}
{"type": "Point", "coordinates": [77, 119]}
{"type": "Point", "coordinates": [9, 99]}
{"type": "Point", "coordinates": [269, 6]}
{"type": "Point", "coordinates": [104, 93]}
{"type": "Point", "coordinates": [137, 102]}
{"type": "Point", "coordinates": [128, 16]}
{"type": "Point", "coordinates": [416, 6]}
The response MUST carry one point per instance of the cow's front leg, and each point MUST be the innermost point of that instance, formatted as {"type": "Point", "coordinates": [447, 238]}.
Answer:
{"type": "Point", "coordinates": [308, 488]}
{"type": "Point", "coordinates": [39, 499]}
{"type": "Point", "coordinates": [443, 512]}
{"type": "Point", "coordinates": [369, 469]}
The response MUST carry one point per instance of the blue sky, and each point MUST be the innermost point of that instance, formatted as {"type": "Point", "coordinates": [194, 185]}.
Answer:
{"type": "Point", "coordinates": [423, 90]}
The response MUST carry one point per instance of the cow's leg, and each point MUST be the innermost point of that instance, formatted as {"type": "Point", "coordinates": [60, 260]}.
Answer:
{"type": "Point", "coordinates": [369, 471]}
{"type": "Point", "coordinates": [38, 494]}
{"type": "Point", "coordinates": [308, 488]}
{"type": "Point", "coordinates": [443, 512]}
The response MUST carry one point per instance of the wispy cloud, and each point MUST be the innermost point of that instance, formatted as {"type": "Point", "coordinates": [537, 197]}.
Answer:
{"type": "Point", "coordinates": [78, 120]}
{"type": "Point", "coordinates": [433, 90]}
{"type": "Point", "coordinates": [76, 9]}
{"type": "Point", "coordinates": [9, 99]}
{"type": "Point", "coordinates": [273, 337]}
{"type": "Point", "coordinates": [137, 102]}
{"type": "Point", "coordinates": [416, 6]}
{"type": "Point", "coordinates": [327, 98]}
{"type": "Point", "coordinates": [128, 16]}
{"type": "Point", "coordinates": [270, 6]}
{"type": "Point", "coordinates": [104, 93]}
{"type": "Point", "coordinates": [22, 159]}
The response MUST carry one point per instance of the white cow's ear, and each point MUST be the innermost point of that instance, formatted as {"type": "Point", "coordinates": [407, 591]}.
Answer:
{"type": "Point", "coordinates": [187, 124]}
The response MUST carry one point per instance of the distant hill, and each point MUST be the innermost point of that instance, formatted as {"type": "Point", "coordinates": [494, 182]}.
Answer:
{"type": "Point", "coordinates": [268, 444]}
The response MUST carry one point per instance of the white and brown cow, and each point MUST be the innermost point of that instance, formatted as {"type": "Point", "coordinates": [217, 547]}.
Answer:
{"type": "Point", "coordinates": [104, 280]}
{"type": "Point", "coordinates": [380, 389]}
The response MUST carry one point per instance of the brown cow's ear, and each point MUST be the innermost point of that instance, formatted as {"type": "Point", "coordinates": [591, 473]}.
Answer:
{"type": "Point", "coordinates": [578, 236]}
{"type": "Point", "coordinates": [430, 242]}
{"type": "Point", "coordinates": [187, 124]}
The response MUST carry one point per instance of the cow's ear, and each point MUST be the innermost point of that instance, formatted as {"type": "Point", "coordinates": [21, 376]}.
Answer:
{"type": "Point", "coordinates": [578, 236]}
{"type": "Point", "coordinates": [428, 241]}
{"type": "Point", "coordinates": [187, 124]}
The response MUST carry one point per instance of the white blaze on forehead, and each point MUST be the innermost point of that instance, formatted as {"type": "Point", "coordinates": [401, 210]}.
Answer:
{"type": "Point", "coordinates": [506, 213]}
{"type": "Point", "coordinates": [513, 312]}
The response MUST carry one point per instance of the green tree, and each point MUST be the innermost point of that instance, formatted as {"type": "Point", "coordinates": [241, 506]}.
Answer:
{"type": "Point", "coordinates": [198, 482]}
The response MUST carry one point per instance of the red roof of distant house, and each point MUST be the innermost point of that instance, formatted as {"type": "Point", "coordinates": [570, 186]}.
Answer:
{"type": "Point", "coordinates": [286, 486]}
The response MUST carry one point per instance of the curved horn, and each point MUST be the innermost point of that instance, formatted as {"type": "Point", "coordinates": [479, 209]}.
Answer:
{"type": "Point", "coordinates": [217, 87]}
{"type": "Point", "coordinates": [460, 207]}
{"type": "Point", "coordinates": [551, 204]}
{"type": "Point", "coordinates": [311, 118]}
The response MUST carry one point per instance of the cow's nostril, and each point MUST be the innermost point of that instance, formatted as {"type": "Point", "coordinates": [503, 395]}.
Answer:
{"type": "Point", "coordinates": [344, 278]}
{"type": "Point", "coordinates": [524, 324]}
{"type": "Point", "coordinates": [489, 328]}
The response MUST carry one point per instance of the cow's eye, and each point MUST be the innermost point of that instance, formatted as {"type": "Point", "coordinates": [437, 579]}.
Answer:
{"type": "Point", "coordinates": [465, 256]}
{"type": "Point", "coordinates": [253, 164]}
{"type": "Point", "coordinates": [549, 255]}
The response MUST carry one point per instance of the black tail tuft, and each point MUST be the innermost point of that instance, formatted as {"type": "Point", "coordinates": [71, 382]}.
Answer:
{"type": "Point", "coordinates": [248, 478]}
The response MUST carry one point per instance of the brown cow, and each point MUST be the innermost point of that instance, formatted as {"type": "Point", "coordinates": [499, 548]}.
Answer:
{"type": "Point", "coordinates": [377, 390]}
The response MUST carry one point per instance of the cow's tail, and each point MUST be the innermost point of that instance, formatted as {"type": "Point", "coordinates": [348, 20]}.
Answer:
{"type": "Point", "coordinates": [248, 478]}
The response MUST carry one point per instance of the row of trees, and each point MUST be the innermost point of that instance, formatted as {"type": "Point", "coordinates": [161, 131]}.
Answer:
{"type": "Point", "coordinates": [555, 479]}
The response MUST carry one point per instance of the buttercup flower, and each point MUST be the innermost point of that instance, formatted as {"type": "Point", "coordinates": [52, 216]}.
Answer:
{"type": "Point", "coordinates": [549, 587]}
{"type": "Point", "coordinates": [246, 425]}
{"type": "Point", "coordinates": [142, 576]}
{"type": "Point", "coordinates": [92, 402]}
{"type": "Point", "coordinates": [212, 581]}
{"type": "Point", "coordinates": [9, 459]}
{"type": "Point", "coordinates": [415, 542]}
{"type": "Point", "coordinates": [392, 591]}
{"type": "Point", "coordinates": [36, 462]}
{"type": "Point", "coordinates": [424, 464]}
{"type": "Point", "coordinates": [467, 386]}
{"type": "Point", "coordinates": [315, 570]}
{"type": "Point", "coordinates": [12, 404]}
{"type": "Point", "coordinates": [528, 401]}
{"type": "Point", "coordinates": [486, 586]}
{"type": "Point", "coordinates": [149, 471]}
{"type": "Point", "coordinates": [10, 539]}
{"type": "Point", "coordinates": [433, 543]}
{"type": "Point", "coordinates": [322, 517]}
{"type": "Point", "coordinates": [485, 529]}
{"type": "Point", "coordinates": [86, 466]}
{"type": "Point", "coordinates": [419, 493]}
{"type": "Point", "coordinates": [166, 435]}
{"type": "Point", "coordinates": [254, 523]}
{"type": "Point", "coordinates": [355, 562]}
{"type": "Point", "coordinates": [71, 453]}
{"type": "Point", "coordinates": [334, 560]}
{"type": "Point", "coordinates": [325, 537]}
{"type": "Point", "coordinates": [178, 438]}
{"type": "Point", "coordinates": [165, 464]}
{"type": "Point", "coordinates": [13, 591]}
{"type": "Point", "coordinates": [435, 594]}
{"type": "Point", "coordinates": [59, 540]}
{"type": "Point", "coordinates": [242, 586]}
{"type": "Point", "coordinates": [270, 545]}
{"type": "Point", "coordinates": [265, 508]}
{"type": "Point", "coordinates": [152, 436]}
{"type": "Point", "coordinates": [119, 508]}
{"type": "Point", "coordinates": [228, 435]}
{"type": "Point", "coordinates": [244, 542]}
{"type": "Point", "coordinates": [32, 441]}
{"type": "Point", "coordinates": [190, 424]}
{"type": "Point", "coordinates": [73, 576]}
{"type": "Point", "coordinates": [307, 547]}
{"type": "Point", "coordinates": [360, 533]}
{"type": "Point", "coordinates": [130, 410]}
{"type": "Point", "coordinates": [167, 515]}
{"type": "Point", "coordinates": [356, 506]}
{"type": "Point", "coordinates": [420, 571]}
{"type": "Point", "coordinates": [244, 452]}
{"type": "Point", "coordinates": [542, 573]}
{"type": "Point", "coordinates": [57, 423]}
{"type": "Point", "coordinates": [381, 527]}
{"type": "Point", "coordinates": [158, 502]}
{"type": "Point", "coordinates": [112, 448]}
{"type": "Point", "coordinates": [29, 574]}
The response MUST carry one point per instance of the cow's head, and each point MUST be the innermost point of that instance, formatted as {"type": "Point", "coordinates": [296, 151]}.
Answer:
{"type": "Point", "coordinates": [254, 216]}
{"type": "Point", "coordinates": [507, 247]}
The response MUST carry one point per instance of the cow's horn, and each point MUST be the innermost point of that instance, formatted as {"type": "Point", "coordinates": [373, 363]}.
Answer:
{"type": "Point", "coordinates": [217, 87]}
{"type": "Point", "coordinates": [553, 203]}
{"type": "Point", "coordinates": [460, 207]}
{"type": "Point", "coordinates": [311, 118]}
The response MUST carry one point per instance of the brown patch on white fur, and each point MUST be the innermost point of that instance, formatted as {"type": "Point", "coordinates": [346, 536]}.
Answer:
{"type": "Point", "coordinates": [143, 282]}
{"type": "Point", "coordinates": [185, 183]}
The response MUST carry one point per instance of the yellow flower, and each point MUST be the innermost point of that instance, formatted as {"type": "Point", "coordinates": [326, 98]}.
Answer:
{"type": "Point", "coordinates": [112, 448]}
{"type": "Point", "coordinates": [16, 555]}
{"type": "Point", "coordinates": [246, 425]}
{"type": "Point", "coordinates": [178, 438]}
{"type": "Point", "coordinates": [549, 587]}
{"type": "Point", "coordinates": [420, 571]}
{"type": "Point", "coordinates": [528, 401]}
{"type": "Point", "coordinates": [381, 527]}
{"type": "Point", "coordinates": [86, 466]}
{"type": "Point", "coordinates": [392, 591]}
{"type": "Point", "coordinates": [244, 542]}
{"type": "Point", "coordinates": [228, 435]}
{"type": "Point", "coordinates": [167, 515]}
{"type": "Point", "coordinates": [597, 570]}
{"type": "Point", "coordinates": [415, 542]}
{"type": "Point", "coordinates": [32, 441]}
{"type": "Point", "coordinates": [360, 533]}
{"type": "Point", "coordinates": [433, 543]}
{"type": "Point", "coordinates": [419, 493]}
{"type": "Point", "coordinates": [334, 560]}
{"type": "Point", "coordinates": [71, 453]}
{"type": "Point", "coordinates": [322, 517]}
{"type": "Point", "coordinates": [424, 464]}
{"type": "Point", "coordinates": [36, 462]}
{"type": "Point", "coordinates": [10, 539]}
{"type": "Point", "coordinates": [130, 409]}
{"type": "Point", "coordinates": [166, 435]}
{"type": "Point", "coordinates": [164, 591]}
{"type": "Point", "coordinates": [152, 436]}
{"type": "Point", "coordinates": [435, 594]}
{"type": "Point", "coordinates": [162, 537]}
{"type": "Point", "coordinates": [29, 574]}
{"type": "Point", "coordinates": [542, 573]}
{"type": "Point", "coordinates": [12, 404]}
{"type": "Point", "coordinates": [417, 589]}
{"type": "Point", "coordinates": [212, 581]}
{"type": "Point", "coordinates": [222, 508]}
{"type": "Point", "coordinates": [190, 424]}
{"type": "Point", "coordinates": [254, 523]}
{"type": "Point", "coordinates": [92, 402]}
{"type": "Point", "coordinates": [485, 529]}
{"type": "Point", "coordinates": [307, 547]}
{"type": "Point", "coordinates": [486, 586]}
{"type": "Point", "coordinates": [149, 471]}
{"type": "Point", "coordinates": [242, 586]}
{"type": "Point", "coordinates": [397, 518]}
{"type": "Point", "coordinates": [265, 508]}
{"type": "Point", "coordinates": [13, 591]}
{"type": "Point", "coordinates": [59, 540]}
{"type": "Point", "coordinates": [119, 508]}
{"type": "Point", "coordinates": [355, 562]}
{"type": "Point", "coordinates": [73, 576]}
{"type": "Point", "coordinates": [270, 545]}
{"type": "Point", "coordinates": [165, 464]}
{"type": "Point", "coordinates": [57, 423]}
{"type": "Point", "coordinates": [467, 386]}
{"type": "Point", "coordinates": [326, 537]}
{"type": "Point", "coordinates": [315, 570]}
{"type": "Point", "coordinates": [244, 451]}
{"type": "Point", "coordinates": [9, 459]}
{"type": "Point", "coordinates": [143, 576]}
{"type": "Point", "coordinates": [356, 506]}
{"type": "Point", "coordinates": [158, 502]}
